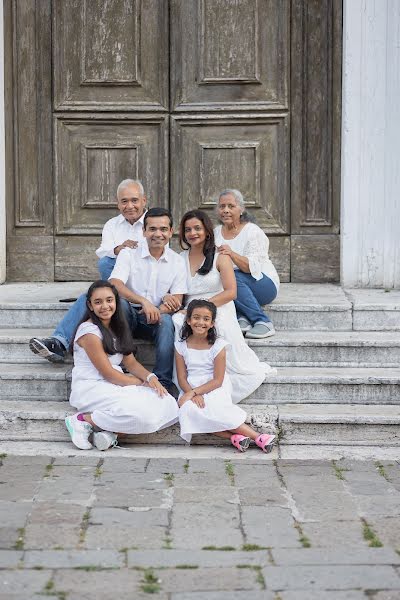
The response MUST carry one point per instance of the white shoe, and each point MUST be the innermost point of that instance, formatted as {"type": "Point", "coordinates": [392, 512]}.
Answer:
{"type": "Point", "coordinates": [79, 432]}
{"type": "Point", "coordinates": [104, 439]}
{"type": "Point", "coordinates": [261, 329]}
{"type": "Point", "coordinates": [244, 324]}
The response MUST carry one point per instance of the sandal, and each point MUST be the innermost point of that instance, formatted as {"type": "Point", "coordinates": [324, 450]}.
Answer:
{"type": "Point", "coordinates": [265, 442]}
{"type": "Point", "coordinates": [240, 442]}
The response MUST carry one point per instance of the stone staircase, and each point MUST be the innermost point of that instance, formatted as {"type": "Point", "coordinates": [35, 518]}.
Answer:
{"type": "Point", "coordinates": [337, 353]}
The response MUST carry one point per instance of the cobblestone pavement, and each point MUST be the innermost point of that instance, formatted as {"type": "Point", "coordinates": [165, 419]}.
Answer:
{"type": "Point", "coordinates": [83, 528]}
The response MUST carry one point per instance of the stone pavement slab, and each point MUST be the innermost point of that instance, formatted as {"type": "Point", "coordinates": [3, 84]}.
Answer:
{"type": "Point", "coordinates": [72, 559]}
{"type": "Point", "coordinates": [197, 558]}
{"type": "Point", "coordinates": [345, 555]}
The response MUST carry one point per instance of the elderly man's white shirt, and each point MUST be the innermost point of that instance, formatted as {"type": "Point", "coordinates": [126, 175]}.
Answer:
{"type": "Point", "coordinates": [149, 277]}
{"type": "Point", "coordinates": [116, 231]}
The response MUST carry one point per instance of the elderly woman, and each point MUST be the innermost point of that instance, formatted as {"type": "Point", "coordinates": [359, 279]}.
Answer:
{"type": "Point", "coordinates": [256, 277]}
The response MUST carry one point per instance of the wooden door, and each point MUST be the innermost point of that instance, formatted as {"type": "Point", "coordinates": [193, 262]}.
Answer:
{"type": "Point", "coordinates": [191, 96]}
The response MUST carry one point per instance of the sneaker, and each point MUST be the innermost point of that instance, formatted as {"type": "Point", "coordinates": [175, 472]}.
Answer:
{"type": "Point", "coordinates": [244, 324]}
{"type": "Point", "coordinates": [261, 329]}
{"type": "Point", "coordinates": [104, 439]}
{"type": "Point", "coordinates": [49, 348]}
{"type": "Point", "coordinates": [79, 432]}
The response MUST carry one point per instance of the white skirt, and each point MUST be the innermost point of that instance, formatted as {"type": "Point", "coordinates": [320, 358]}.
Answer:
{"type": "Point", "coordinates": [219, 414]}
{"type": "Point", "coordinates": [124, 409]}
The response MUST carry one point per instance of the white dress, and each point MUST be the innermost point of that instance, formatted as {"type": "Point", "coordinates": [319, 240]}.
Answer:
{"type": "Point", "coordinates": [245, 370]}
{"type": "Point", "coordinates": [121, 409]}
{"type": "Point", "coordinates": [219, 414]}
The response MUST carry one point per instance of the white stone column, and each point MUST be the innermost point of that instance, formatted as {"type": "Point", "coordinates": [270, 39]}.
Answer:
{"type": "Point", "coordinates": [370, 195]}
{"type": "Point", "coordinates": [2, 158]}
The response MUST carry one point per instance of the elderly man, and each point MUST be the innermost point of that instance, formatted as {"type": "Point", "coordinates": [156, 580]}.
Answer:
{"type": "Point", "coordinates": [123, 231]}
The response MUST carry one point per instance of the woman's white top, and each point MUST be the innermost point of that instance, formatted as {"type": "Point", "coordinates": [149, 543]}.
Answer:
{"type": "Point", "coordinates": [252, 243]}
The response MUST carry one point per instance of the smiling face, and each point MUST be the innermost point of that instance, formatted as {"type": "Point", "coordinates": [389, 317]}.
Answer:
{"type": "Point", "coordinates": [131, 202]}
{"type": "Point", "coordinates": [194, 232]}
{"type": "Point", "coordinates": [103, 303]}
{"type": "Point", "coordinates": [200, 321]}
{"type": "Point", "coordinates": [158, 232]}
{"type": "Point", "coordinates": [229, 210]}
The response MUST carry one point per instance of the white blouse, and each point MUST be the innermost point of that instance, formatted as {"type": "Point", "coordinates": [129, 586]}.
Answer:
{"type": "Point", "coordinates": [252, 243]}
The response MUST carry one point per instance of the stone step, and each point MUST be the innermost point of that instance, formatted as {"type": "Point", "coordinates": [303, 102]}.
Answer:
{"type": "Point", "coordinates": [44, 421]}
{"type": "Point", "coordinates": [375, 310]}
{"type": "Point", "coordinates": [308, 424]}
{"type": "Point", "coordinates": [286, 348]}
{"type": "Point", "coordinates": [291, 384]}
{"type": "Point", "coordinates": [338, 424]}
{"type": "Point", "coordinates": [299, 306]}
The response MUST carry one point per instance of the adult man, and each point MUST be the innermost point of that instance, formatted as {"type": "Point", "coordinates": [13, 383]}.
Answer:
{"type": "Point", "coordinates": [153, 278]}
{"type": "Point", "coordinates": [124, 230]}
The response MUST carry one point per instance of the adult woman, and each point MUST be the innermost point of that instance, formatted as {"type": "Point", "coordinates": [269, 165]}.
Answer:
{"type": "Point", "coordinates": [256, 277]}
{"type": "Point", "coordinates": [210, 276]}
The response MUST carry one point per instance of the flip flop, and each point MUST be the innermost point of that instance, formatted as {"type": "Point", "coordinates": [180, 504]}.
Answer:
{"type": "Point", "coordinates": [240, 442]}
{"type": "Point", "coordinates": [265, 442]}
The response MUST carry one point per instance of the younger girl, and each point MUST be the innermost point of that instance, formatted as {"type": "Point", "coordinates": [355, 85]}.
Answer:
{"type": "Point", "coordinates": [206, 402]}
{"type": "Point", "coordinates": [107, 399]}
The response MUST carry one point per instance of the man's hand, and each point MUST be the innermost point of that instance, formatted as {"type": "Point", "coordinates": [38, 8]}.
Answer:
{"type": "Point", "coordinates": [126, 244]}
{"type": "Point", "coordinates": [152, 313]}
{"type": "Point", "coordinates": [171, 302]}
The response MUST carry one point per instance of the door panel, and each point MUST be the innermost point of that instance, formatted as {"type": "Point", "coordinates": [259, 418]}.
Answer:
{"type": "Point", "coordinates": [110, 55]}
{"type": "Point", "coordinates": [229, 54]}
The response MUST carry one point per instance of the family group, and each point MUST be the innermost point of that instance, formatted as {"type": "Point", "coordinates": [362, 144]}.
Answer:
{"type": "Point", "coordinates": [196, 307]}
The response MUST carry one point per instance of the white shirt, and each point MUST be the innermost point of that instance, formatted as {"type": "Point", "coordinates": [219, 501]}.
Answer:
{"type": "Point", "coordinates": [149, 277]}
{"type": "Point", "coordinates": [116, 231]}
{"type": "Point", "coordinates": [252, 243]}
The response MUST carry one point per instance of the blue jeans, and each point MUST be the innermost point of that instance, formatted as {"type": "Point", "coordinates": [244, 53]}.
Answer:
{"type": "Point", "coordinates": [105, 266]}
{"type": "Point", "coordinates": [251, 294]}
{"type": "Point", "coordinates": [163, 336]}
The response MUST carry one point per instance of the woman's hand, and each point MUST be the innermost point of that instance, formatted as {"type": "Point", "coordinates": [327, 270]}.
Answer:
{"type": "Point", "coordinates": [225, 250]}
{"type": "Point", "coordinates": [198, 400]}
{"type": "Point", "coordinates": [155, 385]}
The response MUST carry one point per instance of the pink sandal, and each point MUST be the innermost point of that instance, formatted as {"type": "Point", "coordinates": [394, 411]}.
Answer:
{"type": "Point", "coordinates": [240, 442]}
{"type": "Point", "coordinates": [265, 442]}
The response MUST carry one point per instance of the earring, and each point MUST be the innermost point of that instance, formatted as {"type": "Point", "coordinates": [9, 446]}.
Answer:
{"type": "Point", "coordinates": [208, 237]}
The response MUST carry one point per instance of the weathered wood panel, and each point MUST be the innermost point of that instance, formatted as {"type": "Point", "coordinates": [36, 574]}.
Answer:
{"type": "Point", "coordinates": [315, 258]}
{"type": "Point", "coordinates": [315, 111]}
{"type": "Point", "coordinates": [229, 54]}
{"type": "Point", "coordinates": [75, 258]}
{"type": "Point", "coordinates": [247, 152]}
{"type": "Point", "coordinates": [110, 55]}
{"type": "Point", "coordinates": [93, 154]}
{"type": "Point", "coordinates": [279, 253]}
{"type": "Point", "coordinates": [29, 173]}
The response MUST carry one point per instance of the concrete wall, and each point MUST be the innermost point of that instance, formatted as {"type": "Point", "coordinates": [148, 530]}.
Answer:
{"type": "Point", "coordinates": [370, 221]}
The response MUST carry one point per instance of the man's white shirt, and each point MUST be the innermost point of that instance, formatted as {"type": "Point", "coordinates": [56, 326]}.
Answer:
{"type": "Point", "coordinates": [148, 277]}
{"type": "Point", "coordinates": [116, 231]}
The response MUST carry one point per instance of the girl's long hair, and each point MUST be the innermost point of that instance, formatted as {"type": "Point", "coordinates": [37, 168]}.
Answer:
{"type": "Point", "coordinates": [187, 331]}
{"type": "Point", "coordinates": [209, 244]}
{"type": "Point", "coordinates": [118, 337]}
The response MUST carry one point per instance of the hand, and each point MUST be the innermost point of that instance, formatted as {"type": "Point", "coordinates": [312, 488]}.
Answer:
{"type": "Point", "coordinates": [126, 244]}
{"type": "Point", "coordinates": [198, 400]}
{"type": "Point", "coordinates": [171, 302]}
{"type": "Point", "coordinates": [225, 250]}
{"type": "Point", "coordinates": [152, 313]}
{"type": "Point", "coordinates": [155, 385]}
{"type": "Point", "coordinates": [185, 397]}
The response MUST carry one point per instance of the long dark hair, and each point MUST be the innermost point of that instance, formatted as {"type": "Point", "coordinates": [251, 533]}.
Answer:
{"type": "Point", "coordinates": [187, 331]}
{"type": "Point", "coordinates": [118, 337]}
{"type": "Point", "coordinates": [209, 244]}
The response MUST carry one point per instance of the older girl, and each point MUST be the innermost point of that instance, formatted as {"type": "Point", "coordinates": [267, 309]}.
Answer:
{"type": "Point", "coordinates": [107, 399]}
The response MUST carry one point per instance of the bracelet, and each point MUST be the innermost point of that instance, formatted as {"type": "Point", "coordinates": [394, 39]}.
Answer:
{"type": "Point", "coordinates": [150, 375]}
